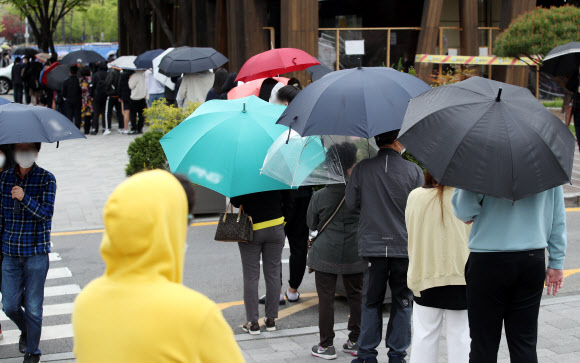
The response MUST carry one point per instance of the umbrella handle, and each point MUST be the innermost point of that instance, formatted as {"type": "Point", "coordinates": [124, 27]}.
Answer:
{"type": "Point", "coordinates": [498, 98]}
{"type": "Point", "coordinates": [289, 132]}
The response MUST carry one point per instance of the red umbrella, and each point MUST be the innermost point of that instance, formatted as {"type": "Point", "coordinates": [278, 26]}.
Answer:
{"type": "Point", "coordinates": [275, 62]}
{"type": "Point", "coordinates": [47, 71]}
{"type": "Point", "coordinates": [251, 88]}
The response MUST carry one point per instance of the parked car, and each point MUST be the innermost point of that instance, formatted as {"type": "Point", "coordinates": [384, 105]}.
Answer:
{"type": "Point", "coordinates": [6, 79]}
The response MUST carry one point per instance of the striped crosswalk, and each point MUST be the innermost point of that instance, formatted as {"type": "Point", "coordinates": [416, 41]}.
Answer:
{"type": "Point", "coordinates": [59, 293]}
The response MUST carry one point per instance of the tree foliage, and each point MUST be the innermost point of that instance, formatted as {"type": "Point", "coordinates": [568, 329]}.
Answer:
{"type": "Point", "coordinates": [44, 17]}
{"type": "Point", "coordinates": [537, 32]}
{"type": "Point", "coordinates": [96, 21]}
{"type": "Point", "coordinates": [12, 26]}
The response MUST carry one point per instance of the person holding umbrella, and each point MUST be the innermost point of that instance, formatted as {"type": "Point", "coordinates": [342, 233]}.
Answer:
{"type": "Point", "coordinates": [379, 188]}
{"type": "Point", "coordinates": [125, 98]}
{"type": "Point", "coordinates": [99, 95]}
{"type": "Point", "coordinates": [27, 194]}
{"type": "Point", "coordinates": [17, 79]}
{"type": "Point", "coordinates": [72, 96]}
{"type": "Point", "coordinates": [508, 157]}
{"type": "Point", "coordinates": [6, 163]}
{"type": "Point", "coordinates": [138, 86]}
{"type": "Point", "coordinates": [194, 88]}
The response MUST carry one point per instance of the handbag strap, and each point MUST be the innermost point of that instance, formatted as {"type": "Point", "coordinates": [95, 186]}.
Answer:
{"type": "Point", "coordinates": [328, 220]}
{"type": "Point", "coordinates": [231, 207]}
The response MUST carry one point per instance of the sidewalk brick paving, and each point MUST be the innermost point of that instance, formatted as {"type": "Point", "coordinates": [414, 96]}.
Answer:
{"type": "Point", "coordinates": [86, 172]}
{"type": "Point", "coordinates": [559, 339]}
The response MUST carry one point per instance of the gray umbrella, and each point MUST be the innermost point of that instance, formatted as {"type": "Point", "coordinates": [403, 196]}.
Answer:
{"type": "Point", "coordinates": [488, 137]}
{"type": "Point", "coordinates": [361, 102]}
{"type": "Point", "coordinates": [21, 123]}
{"type": "Point", "coordinates": [184, 60]}
{"type": "Point", "coordinates": [56, 77]}
{"type": "Point", "coordinates": [562, 60]}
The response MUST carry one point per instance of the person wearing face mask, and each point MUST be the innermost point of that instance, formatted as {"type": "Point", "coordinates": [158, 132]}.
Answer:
{"type": "Point", "coordinates": [27, 194]}
{"type": "Point", "coordinates": [379, 188]}
{"type": "Point", "coordinates": [144, 249]}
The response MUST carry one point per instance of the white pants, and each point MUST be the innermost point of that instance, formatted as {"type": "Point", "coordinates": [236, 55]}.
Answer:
{"type": "Point", "coordinates": [427, 323]}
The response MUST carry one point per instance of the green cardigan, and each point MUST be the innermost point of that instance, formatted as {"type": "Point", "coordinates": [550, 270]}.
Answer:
{"type": "Point", "coordinates": [335, 250]}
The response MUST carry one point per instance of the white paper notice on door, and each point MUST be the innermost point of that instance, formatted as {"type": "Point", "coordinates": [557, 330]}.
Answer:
{"type": "Point", "coordinates": [354, 47]}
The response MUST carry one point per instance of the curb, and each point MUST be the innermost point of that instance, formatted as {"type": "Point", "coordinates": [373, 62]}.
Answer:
{"type": "Point", "coordinates": [572, 199]}
{"type": "Point", "coordinates": [286, 333]}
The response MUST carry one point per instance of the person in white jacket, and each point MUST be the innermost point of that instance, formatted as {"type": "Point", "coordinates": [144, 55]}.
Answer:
{"type": "Point", "coordinates": [138, 86]}
{"type": "Point", "coordinates": [194, 88]}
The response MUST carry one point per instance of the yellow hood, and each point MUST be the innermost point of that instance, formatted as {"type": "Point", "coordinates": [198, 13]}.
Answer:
{"type": "Point", "coordinates": [145, 228]}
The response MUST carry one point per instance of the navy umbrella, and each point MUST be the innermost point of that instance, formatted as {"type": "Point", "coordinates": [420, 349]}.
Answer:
{"type": "Point", "coordinates": [145, 60]}
{"type": "Point", "coordinates": [489, 137]}
{"type": "Point", "coordinates": [56, 77]}
{"type": "Point", "coordinates": [4, 101]}
{"type": "Point", "coordinates": [82, 57]}
{"type": "Point", "coordinates": [562, 60]}
{"type": "Point", "coordinates": [184, 60]}
{"type": "Point", "coordinates": [318, 71]}
{"type": "Point", "coordinates": [22, 123]}
{"type": "Point", "coordinates": [362, 102]}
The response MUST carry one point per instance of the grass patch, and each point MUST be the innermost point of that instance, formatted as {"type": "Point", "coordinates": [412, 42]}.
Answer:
{"type": "Point", "coordinates": [557, 102]}
{"type": "Point", "coordinates": [573, 129]}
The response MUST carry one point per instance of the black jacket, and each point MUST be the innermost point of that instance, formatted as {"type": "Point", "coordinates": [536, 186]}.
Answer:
{"type": "Point", "coordinates": [264, 206]}
{"type": "Point", "coordinates": [71, 90]}
{"type": "Point", "coordinates": [98, 86]}
{"type": "Point", "coordinates": [17, 73]}
{"type": "Point", "coordinates": [123, 86]}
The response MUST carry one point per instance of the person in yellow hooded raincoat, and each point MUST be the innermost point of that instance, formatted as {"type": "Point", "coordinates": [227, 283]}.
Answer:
{"type": "Point", "coordinates": [139, 311]}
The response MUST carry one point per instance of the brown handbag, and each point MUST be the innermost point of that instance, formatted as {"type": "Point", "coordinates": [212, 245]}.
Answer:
{"type": "Point", "coordinates": [234, 227]}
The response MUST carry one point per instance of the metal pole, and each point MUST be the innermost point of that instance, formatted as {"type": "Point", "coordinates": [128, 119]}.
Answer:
{"type": "Point", "coordinates": [440, 50]}
{"type": "Point", "coordinates": [389, 47]}
{"type": "Point", "coordinates": [337, 49]}
{"type": "Point", "coordinates": [26, 35]}
{"type": "Point", "coordinates": [489, 40]}
{"type": "Point", "coordinates": [537, 82]}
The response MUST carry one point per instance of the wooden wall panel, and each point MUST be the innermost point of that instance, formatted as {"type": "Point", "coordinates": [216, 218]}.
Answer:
{"type": "Point", "coordinates": [299, 28]}
{"type": "Point", "coordinates": [429, 35]}
{"type": "Point", "coordinates": [468, 23]}
{"type": "Point", "coordinates": [245, 20]}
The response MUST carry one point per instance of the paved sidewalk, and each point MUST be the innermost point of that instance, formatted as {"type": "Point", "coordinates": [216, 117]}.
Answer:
{"type": "Point", "coordinates": [559, 339]}
{"type": "Point", "coordinates": [86, 173]}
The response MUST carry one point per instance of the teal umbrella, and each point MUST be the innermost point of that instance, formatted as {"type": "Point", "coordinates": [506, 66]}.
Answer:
{"type": "Point", "coordinates": [223, 144]}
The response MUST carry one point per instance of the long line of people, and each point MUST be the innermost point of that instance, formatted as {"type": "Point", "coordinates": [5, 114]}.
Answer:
{"type": "Point", "coordinates": [443, 252]}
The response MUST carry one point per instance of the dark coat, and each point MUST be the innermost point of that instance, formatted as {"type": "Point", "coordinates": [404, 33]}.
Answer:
{"type": "Point", "coordinates": [335, 249]}
{"type": "Point", "coordinates": [71, 90]}
{"type": "Point", "coordinates": [123, 87]}
{"type": "Point", "coordinates": [379, 188]}
{"type": "Point", "coordinates": [17, 73]}
{"type": "Point", "coordinates": [98, 86]}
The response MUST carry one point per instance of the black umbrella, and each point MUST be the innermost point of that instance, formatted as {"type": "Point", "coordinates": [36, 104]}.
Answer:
{"type": "Point", "coordinates": [362, 102]}
{"type": "Point", "coordinates": [56, 77]}
{"type": "Point", "coordinates": [21, 123]}
{"type": "Point", "coordinates": [190, 60]}
{"type": "Point", "coordinates": [145, 60]}
{"type": "Point", "coordinates": [318, 71]}
{"type": "Point", "coordinates": [488, 137]}
{"type": "Point", "coordinates": [562, 60]}
{"type": "Point", "coordinates": [82, 57]}
{"type": "Point", "coordinates": [25, 51]}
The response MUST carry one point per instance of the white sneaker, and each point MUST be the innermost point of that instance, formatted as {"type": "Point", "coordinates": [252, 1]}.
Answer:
{"type": "Point", "coordinates": [125, 132]}
{"type": "Point", "coordinates": [106, 132]}
{"type": "Point", "coordinates": [121, 131]}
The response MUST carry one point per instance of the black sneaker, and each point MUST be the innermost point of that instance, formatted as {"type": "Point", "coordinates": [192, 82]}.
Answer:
{"type": "Point", "coordinates": [396, 359]}
{"type": "Point", "coordinates": [263, 300]}
{"type": "Point", "coordinates": [252, 328]}
{"type": "Point", "coordinates": [94, 132]}
{"type": "Point", "coordinates": [22, 342]}
{"type": "Point", "coordinates": [133, 132]}
{"type": "Point", "coordinates": [31, 358]}
{"type": "Point", "coordinates": [270, 324]}
{"type": "Point", "coordinates": [324, 353]}
{"type": "Point", "coordinates": [350, 348]}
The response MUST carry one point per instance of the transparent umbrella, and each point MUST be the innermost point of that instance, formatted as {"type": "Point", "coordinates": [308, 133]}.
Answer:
{"type": "Point", "coordinates": [314, 160]}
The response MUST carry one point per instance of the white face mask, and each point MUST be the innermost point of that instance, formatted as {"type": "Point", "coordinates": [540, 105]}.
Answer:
{"type": "Point", "coordinates": [25, 158]}
{"type": "Point", "coordinates": [2, 160]}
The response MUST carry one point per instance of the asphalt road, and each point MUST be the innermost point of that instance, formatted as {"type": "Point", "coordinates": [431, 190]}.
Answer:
{"type": "Point", "coordinates": [212, 268]}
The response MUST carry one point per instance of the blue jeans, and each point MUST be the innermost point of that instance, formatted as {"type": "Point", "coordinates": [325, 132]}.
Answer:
{"type": "Point", "coordinates": [23, 278]}
{"type": "Point", "coordinates": [154, 97]}
{"type": "Point", "coordinates": [18, 93]}
{"type": "Point", "coordinates": [378, 272]}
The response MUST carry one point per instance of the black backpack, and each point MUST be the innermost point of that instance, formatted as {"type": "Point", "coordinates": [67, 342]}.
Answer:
{"type": "Point", "coordinates": [111, 82]}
